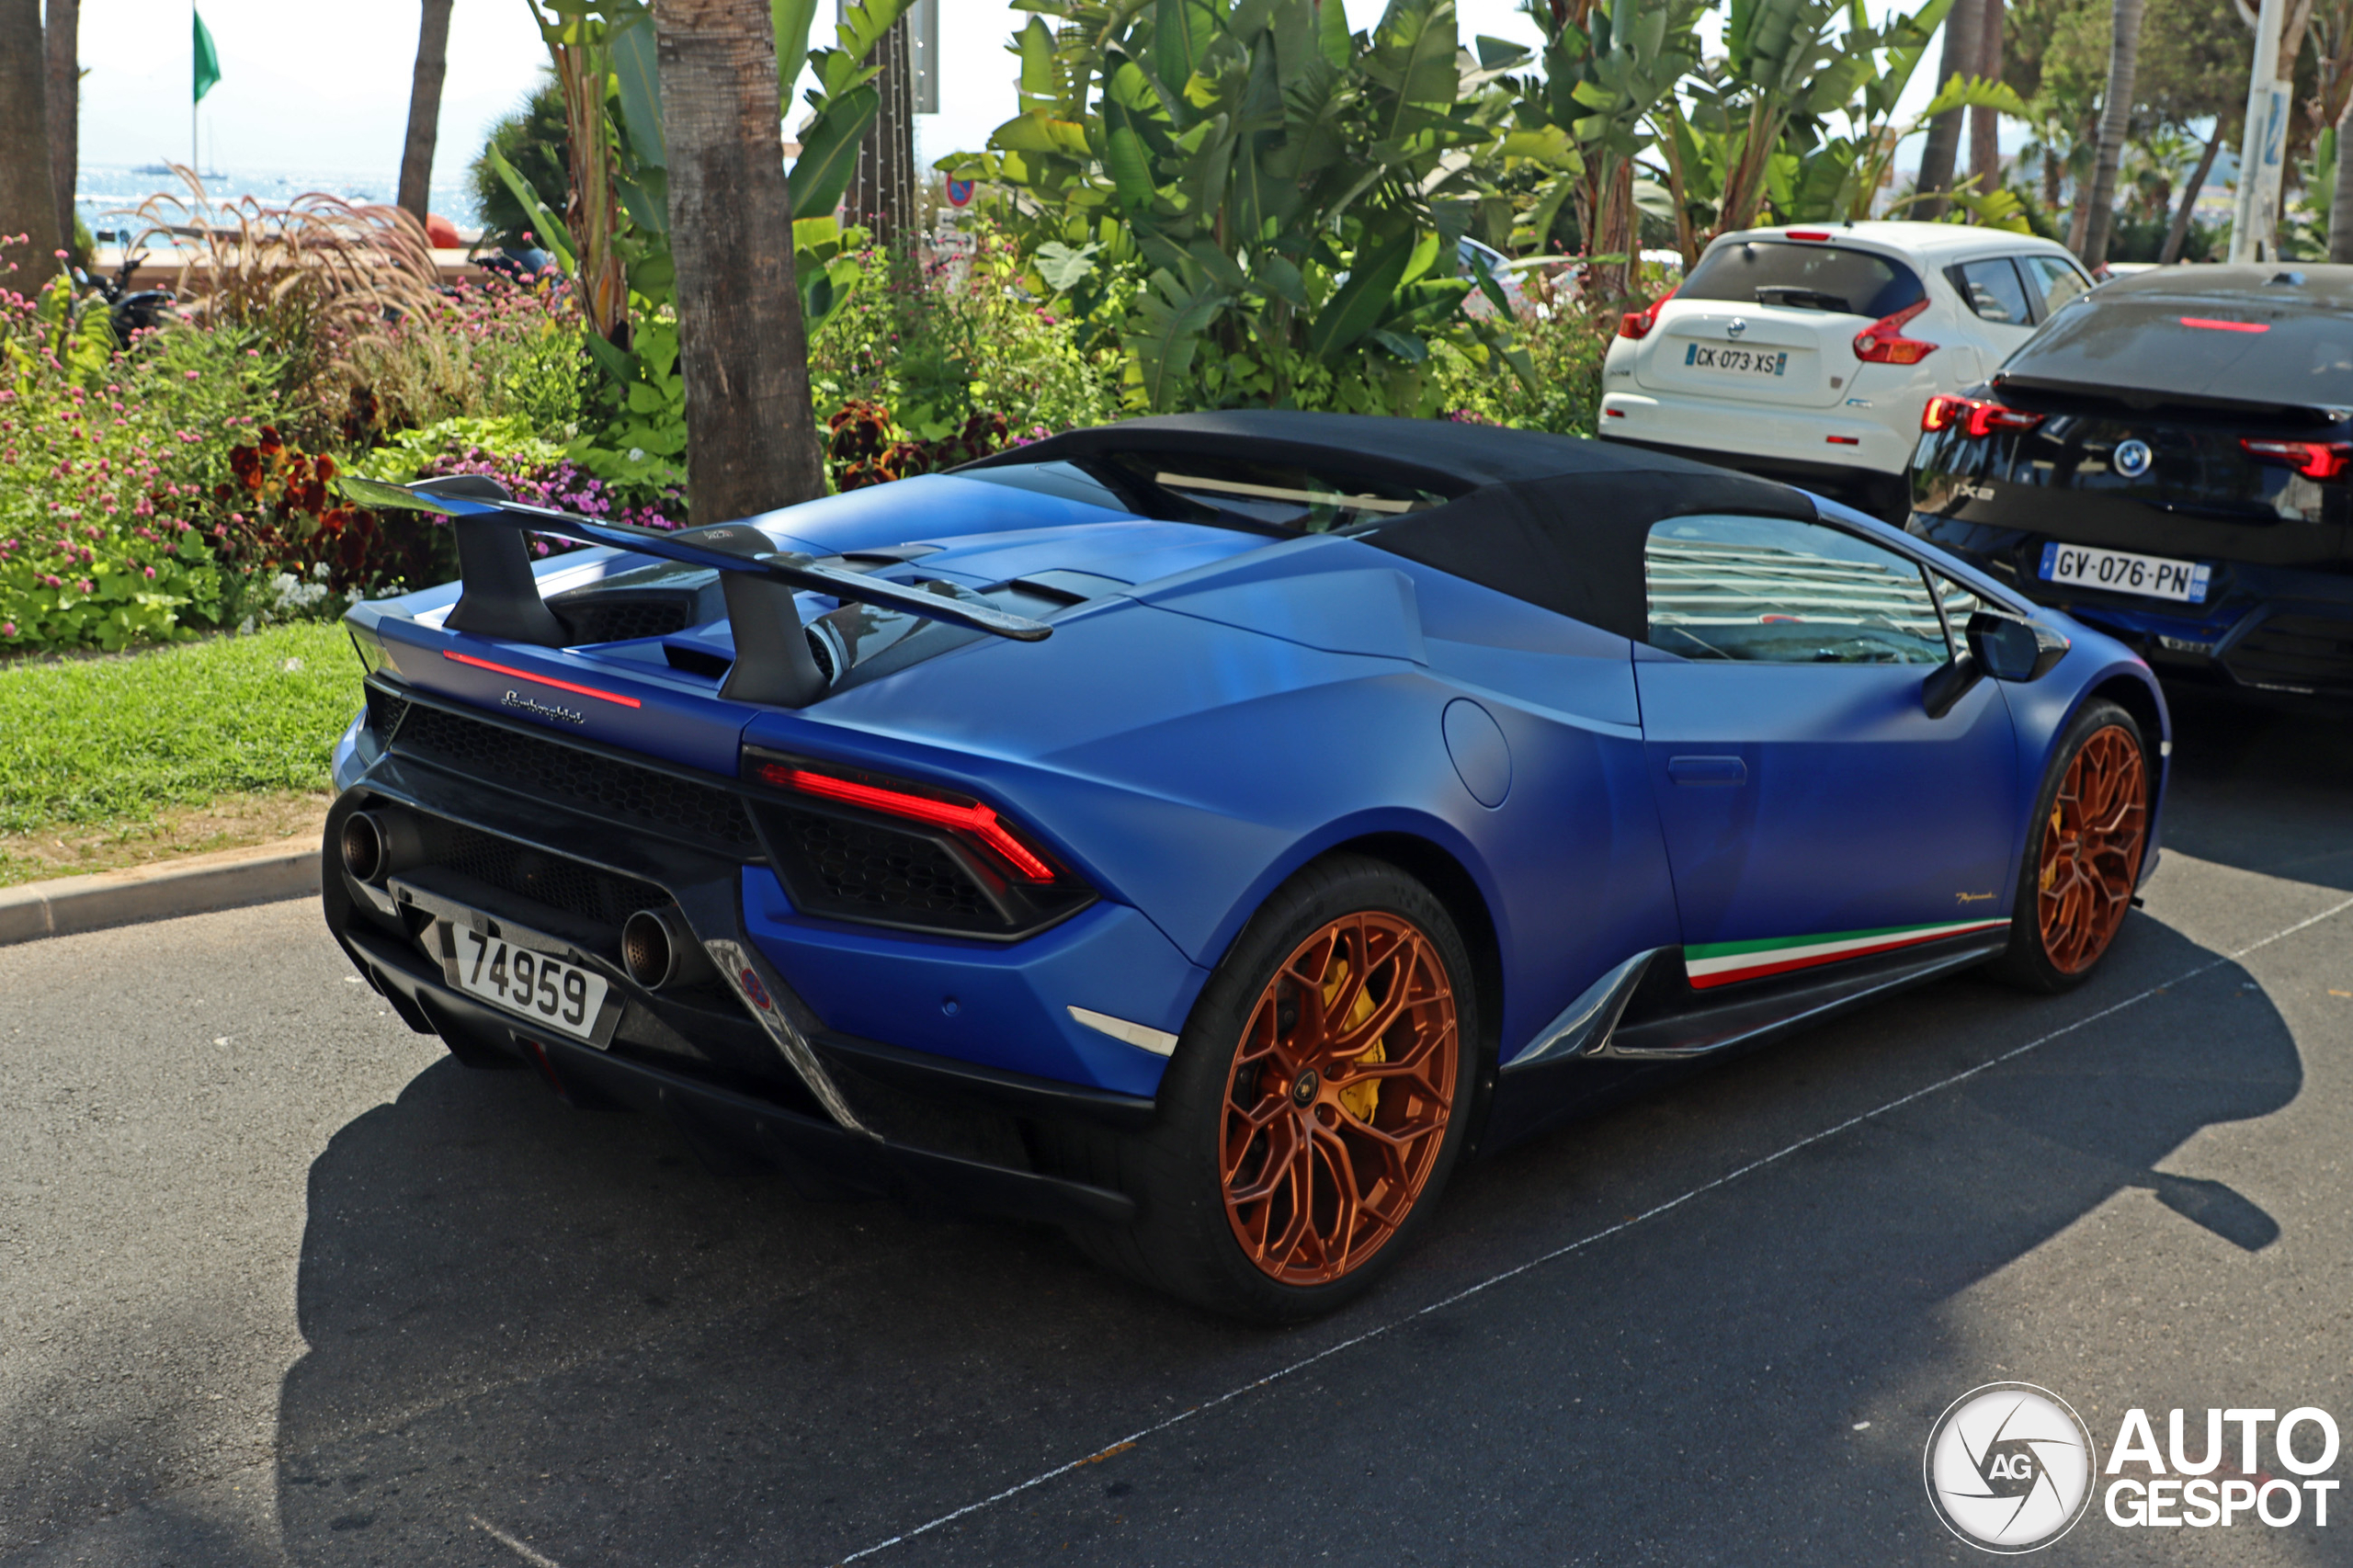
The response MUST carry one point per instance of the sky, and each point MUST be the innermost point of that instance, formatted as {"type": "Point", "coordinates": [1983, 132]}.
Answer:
{"type": "Point", "coordinates": [321, 85]}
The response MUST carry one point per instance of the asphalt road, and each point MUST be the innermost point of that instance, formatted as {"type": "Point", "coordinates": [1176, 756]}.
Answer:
{"type": "Point", "coordinates": [279, 1282]}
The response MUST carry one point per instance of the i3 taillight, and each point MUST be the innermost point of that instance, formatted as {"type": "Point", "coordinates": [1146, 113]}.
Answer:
{"type": "Point", "coordinates": [1973, 416]}
{"type": "Point", "coordinates": [1637, 325]}
{"type": "Point", "coordinates": [2314, 460]}
{"type": "Point", "coordinates": [1883, 343]}
{"type": "Point", "coordinates": [974, 822]}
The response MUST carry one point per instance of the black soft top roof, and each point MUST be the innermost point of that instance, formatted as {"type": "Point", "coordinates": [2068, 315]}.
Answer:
{"type": "Point", "coordinates": [1557, 520]}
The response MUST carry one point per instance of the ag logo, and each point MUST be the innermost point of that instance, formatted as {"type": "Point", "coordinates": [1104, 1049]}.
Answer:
{"type": "Point", "coordinates": [2131, 459]}
{"type": "Point", "coordinates": [2009, 1468]}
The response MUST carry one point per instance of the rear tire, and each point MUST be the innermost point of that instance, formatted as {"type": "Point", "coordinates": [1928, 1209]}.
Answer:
{"type": "Point", "coordinates": [1316, 1103]}
{"type": "Point", "coordinates": [2083, 854]}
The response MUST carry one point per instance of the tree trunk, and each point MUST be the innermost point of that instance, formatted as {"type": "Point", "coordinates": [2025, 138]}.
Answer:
{"type": "Point", "coordinates": [2115, 121]}
{"type": "Point", "coordinates": [1964, 54]}
{"type": "Point", "coordinates": [62, 39]}
{"type": "Point", "coordinates": [424, 109]}
{"type": "Point", "coordinates": [742, 351]}
{"type": "Point", "coordinates": [2053, 170]}
{"type": "Point", "coordinates": [1986, 123]}
{"type": "Point", "coordinates": [27, 191]}
{"type": "Point", "coordinates": [882, 189]}
{"type": "Point", "coordinates": [2079, 220]}
{"type": "Point", "coordinates": [2178, 231]}
{"type": "Point", "coordinates": [2340, 204]}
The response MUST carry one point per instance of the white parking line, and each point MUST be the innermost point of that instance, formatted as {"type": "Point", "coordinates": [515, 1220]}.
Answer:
{"type": "Point", "coordinates": [535, 1559]}
{"type": "Point", "coordinates": [1603, 1234]}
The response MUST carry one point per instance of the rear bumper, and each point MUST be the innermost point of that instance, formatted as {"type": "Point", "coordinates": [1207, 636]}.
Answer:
{"type": "Point", "coordinates": [1734, 435]}
{"type": "Point", "coordinates": [2281, 632]}
{"type": "Point", "coordinates": [816, 1155]}
{"type": "Point", "coordinates": [737, 1057]}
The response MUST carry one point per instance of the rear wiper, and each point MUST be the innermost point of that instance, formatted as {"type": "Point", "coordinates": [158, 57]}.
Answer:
{"type": "Point", "coordinates": [500, 598]}
{"type": "Point", "coordinates": [1802, 299]}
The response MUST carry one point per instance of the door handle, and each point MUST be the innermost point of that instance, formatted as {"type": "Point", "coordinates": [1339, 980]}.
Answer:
{"type": "Point", "coordinates": [1707, 770]}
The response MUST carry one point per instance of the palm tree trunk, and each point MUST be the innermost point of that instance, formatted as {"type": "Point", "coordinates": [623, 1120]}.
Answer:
{"type": "Point", "coordinates": [424, 108]}
{"type": "Point", "coordinates": [1984, 122]}
{"type": "Point", "coordinates": [2179, 230]}
{"type": "Point", "coordinates": [2340, 202]}
{"type": "Point", "coordinates": [2115, 119]}
{"type": "Point", "coordinates": [743, 350]}
{"type": "Point", "coordinates": [1963, 56]}
{"type": "Point", "coordinates": [27, 191]}
{"type": "Point", "coordinates": [63, 41]}
{"type": "Point", "coordinates": [882, 189]}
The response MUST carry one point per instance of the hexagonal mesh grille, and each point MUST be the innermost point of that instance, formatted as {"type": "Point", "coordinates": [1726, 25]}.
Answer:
{"type": "Point", "coordinates": [595, 620]}
{"type": "Point", "coordinates": [552, 879]}
{"type": "Point", "coordinates": [864, 869]}
{"type": "Point", "coordinates": [601, 783]}
{"type": "Point", "coordinates": [385, 712]}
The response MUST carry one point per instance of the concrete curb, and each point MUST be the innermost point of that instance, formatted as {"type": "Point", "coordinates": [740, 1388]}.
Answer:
{"type": "Point", "coordinates": [228, 880]}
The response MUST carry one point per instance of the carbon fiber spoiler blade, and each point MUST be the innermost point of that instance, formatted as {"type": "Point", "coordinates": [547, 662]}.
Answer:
{"type": "Point", "coordinates": [499, 596]}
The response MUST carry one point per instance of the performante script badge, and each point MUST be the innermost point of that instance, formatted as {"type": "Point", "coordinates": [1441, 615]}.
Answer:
{"type": "Point", "coordinates": [543, 709]}
{"type": "Point", "coordinates": [2009, 1468]}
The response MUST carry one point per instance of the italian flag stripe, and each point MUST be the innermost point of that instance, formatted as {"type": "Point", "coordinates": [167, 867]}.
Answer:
{"type": "Point", "coordinates": [1721, 963]}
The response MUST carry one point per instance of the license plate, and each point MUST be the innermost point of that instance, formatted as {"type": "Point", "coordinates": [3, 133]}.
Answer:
{"type": "Point", "coordinates": [1736, 362]}
{"type": "Point", "coordinates": [548, 991]}
{"type": "Point", "coordinates": [2121, 571]}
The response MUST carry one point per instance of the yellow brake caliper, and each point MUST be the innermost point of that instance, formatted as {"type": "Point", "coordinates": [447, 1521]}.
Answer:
{"type": "Point", "coordinates": [1358, 1098]}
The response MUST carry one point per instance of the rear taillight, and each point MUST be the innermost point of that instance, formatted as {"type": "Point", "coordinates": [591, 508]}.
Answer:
{"type": "Point", "coordinates": [1808, 233]}
{"type": "Point", "coordinates": [2314, 460]}
{"type": "Point", "coordinates": [1637, 325]}
{"type": "Point", "coordinates": [974, 823]}
{"type": "Point", "coordinates": [1973, 416]}
{"type": "Point", "coordinates": [1883, 343]}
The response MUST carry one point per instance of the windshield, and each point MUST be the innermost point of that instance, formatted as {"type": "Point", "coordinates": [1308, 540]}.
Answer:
{"type": "Point", "coordinates": [1807, 277]}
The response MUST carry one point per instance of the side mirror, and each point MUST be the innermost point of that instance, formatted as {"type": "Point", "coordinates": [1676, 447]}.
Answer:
{"type": "Point", "coordinates": [2008, 648]}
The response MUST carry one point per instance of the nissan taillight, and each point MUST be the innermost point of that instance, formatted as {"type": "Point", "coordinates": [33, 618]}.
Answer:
{"type": "Point", "coordinates": [1883, 343]}
{"type": "Point", "coordinates": [2314, 460]}
{"type": "Point", "coordinates": [1974, 417]}
{"type": "Point", "coordinates": [1637, 325]}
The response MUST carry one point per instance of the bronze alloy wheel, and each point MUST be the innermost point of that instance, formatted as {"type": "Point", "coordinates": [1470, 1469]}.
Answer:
{"type": "Point", "coordinates": [2091, 849]}
{"type": "Point", "coordinates": [1336, 1104]}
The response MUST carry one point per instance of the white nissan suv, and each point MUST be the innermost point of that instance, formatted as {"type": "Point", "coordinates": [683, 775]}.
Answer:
{"type": "Point", "coordinates": [1807, 352]}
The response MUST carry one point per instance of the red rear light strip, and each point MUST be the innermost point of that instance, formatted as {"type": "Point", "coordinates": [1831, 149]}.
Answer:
{"type": "Point", "coordinates": [2314, 460]}
{"type": "Point", "coordinates": [1976, 417]}
{"type": "Point", "coordinates": [543, 680]}
{"type": "Point", "coordinates": [975, 819]}
{"type": "Point", "coordinates": [2210, 324]}
{"type": "Point", "coordinates": [1637, 325]}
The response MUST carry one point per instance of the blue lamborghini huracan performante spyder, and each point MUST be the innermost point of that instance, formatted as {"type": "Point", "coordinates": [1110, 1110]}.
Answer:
{"type": "Point", "coordinates": [1199, 833]}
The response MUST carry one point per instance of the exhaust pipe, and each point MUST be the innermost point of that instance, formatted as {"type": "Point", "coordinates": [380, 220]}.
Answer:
{"type": "Point", "coordinates": [377, 844]}
{"type": "Point", "coordinates": [659, 949]}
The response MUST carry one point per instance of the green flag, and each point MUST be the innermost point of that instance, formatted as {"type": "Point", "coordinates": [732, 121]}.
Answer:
{"type": "Point", "coordinates": [207, 63]}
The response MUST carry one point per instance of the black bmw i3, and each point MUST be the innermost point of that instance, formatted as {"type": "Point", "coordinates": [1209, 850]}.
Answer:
{"type": "Point", "coordinates": [2170, 459]}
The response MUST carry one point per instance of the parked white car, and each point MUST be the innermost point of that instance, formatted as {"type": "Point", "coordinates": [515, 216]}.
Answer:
{"type": "Point", "coordinates": [1806, 353]}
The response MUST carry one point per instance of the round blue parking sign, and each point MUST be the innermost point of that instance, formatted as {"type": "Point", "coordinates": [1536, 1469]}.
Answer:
{"type": "Point", "coordinates": [959, 193]}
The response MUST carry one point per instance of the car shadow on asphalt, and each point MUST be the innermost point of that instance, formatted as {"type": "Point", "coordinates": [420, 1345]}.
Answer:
{"type": "Point", "coordinates": [2263, 788]}
{"type": "Point", "coordinates": [555, 1325]}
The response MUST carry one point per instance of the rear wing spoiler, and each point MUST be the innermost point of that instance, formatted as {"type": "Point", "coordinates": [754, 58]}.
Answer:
{"type": "Point", "coordinates": [498, 595]}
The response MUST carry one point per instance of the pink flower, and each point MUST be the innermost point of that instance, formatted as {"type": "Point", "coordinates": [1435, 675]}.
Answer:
{"type": "Point", "coordinates": [83, 585]}
{"type": "Point", "coordinates": [195, 375]}
{"type": "Point", "coordinates": [150, 573]}
{"type": "Point", "coordinates": [7, 628]}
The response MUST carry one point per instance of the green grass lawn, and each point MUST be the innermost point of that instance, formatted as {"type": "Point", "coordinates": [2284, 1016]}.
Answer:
{"type": "Point", "coordinates": [117, 743]}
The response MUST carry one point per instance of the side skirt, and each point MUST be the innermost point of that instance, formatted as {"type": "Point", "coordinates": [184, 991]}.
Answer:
{"type": "Point", "coordinates": [1645, 1015]}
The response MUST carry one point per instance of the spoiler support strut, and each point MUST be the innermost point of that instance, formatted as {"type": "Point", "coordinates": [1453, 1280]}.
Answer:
{"type": "Point", "coordinates": [499, 596]}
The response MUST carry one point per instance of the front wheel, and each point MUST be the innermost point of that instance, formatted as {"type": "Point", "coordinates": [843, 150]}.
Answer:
{"type": "Point", "coordinates": [1314, 1107]}
{"type": "Point", "coordinates": [2083, 856]}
